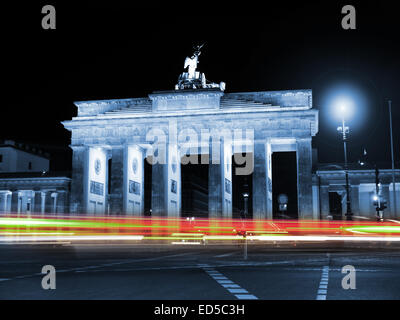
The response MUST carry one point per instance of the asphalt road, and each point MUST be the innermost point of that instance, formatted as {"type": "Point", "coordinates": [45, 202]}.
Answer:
{"type": "Point", "coordinates": [196, 273]}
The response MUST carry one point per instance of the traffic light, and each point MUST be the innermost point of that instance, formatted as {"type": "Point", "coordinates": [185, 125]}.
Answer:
{"type": "Point", "coordinates": [383, 205]}
{"type": "Point", "coordinates": [375, 201]}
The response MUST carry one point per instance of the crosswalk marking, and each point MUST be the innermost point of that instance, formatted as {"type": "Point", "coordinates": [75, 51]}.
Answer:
{"type": "Point", "coordinates": [237, 290]}
{"type": "Point", "coordinates": [232, 287]}
{"type": "Point", "coordinates": [323, 284]}
{"type": "Point", "coordinates": [246, 296]}
{"type": "Point", "coordinates": [225, 255]}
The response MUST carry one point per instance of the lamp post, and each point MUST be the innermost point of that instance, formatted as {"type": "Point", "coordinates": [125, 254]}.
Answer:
{"type": "Point", "coordinates": [283, 203]}
{"type": "Point", "coordinates": [245, 195]}
{"type": "Point", "coordinates": [245, 213]}
{"type": "Point", "coordinates": [344, 130]}
{"type": "Point", "coordinates": [246, 204]}
{"type": "Point", "coordinates": [391, 149]}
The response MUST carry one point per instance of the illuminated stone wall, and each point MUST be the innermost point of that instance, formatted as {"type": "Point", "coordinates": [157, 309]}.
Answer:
{"type": "Point", "coordinates": [172, 122]}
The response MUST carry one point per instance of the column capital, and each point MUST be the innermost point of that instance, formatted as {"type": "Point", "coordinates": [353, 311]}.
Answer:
{"type": "Point", "coordinates": [78, 147]}
{"type": "Point", "coordinates": [303, 139]}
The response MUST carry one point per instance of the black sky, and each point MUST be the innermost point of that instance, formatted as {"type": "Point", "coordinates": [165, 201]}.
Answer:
{"type": "Point", "coordinates": [120, 51]}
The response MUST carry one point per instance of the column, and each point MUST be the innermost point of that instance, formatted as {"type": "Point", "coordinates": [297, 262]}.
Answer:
{"type": "Point", "coordinates": [77, 197]}
{"type": "Point", "coordinates": [220, 177]}
{"type": "Point", "coordinates": [43, 202]}
{"type": "Point", "coordinates": [226, 169]}
{"type": "Point", "coordinates": [166, 181]}
{"type": "Point", "coordinates": [54, 197]}
{"type": "Point", "coordinates": [38, 202]}
{"type": "Point", "coordinates": [61, 201]}
{"type": "Point", "coordinates": [19, 202]}
{"type": "Point", "coordinates": [316, 212]}
{"type": "Point", "coordinates": [173, 172]}
{"type": "Point", "coordinates": [3, 201]}
{"type": "Point", "coordinates": [48, 202]}
{"type": "Point", "coordinates": [391, 200]}
{"type": "Point", "coordinates": [355, 198]}
{"type": "Point", "coordinates": [304, 174]}
{"type": "Point", "coordinates": [8, 204]}
{"type": "Point", "coordinates": [260, 181]}
{"type": "Point", "coordinates": [158, 190]}
{"type": "Point", "coordinates": [14, 201]}
{"type": "Point", "coordinates": [386, 195]}
{"type": "Point", "coordinates": [95, 180]}
{"type": "Point", "coordinates": [133, 181]}
{"type": "Point", "coordinates": [115, 196]}
{"type": "Point", "coordinates": [324, 200]}
{"type": "Point", "coordinates": [215, 173]}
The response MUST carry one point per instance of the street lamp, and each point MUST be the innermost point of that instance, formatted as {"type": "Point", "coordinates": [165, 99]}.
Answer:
{"type": "Point", "coordinates": [283, 203]}
{"type": "Point", "coordinates": [246, 199]}
{"type": "Point", "coordinates": [344, 130]}
{"type": "Point", "coordinates": [245, 195]}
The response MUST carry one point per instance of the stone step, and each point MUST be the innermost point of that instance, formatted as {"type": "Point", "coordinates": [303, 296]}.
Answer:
{"type": "Point", "coordinates": [243, 102]}
{"type": "Point", "coordinates": [130, 110]}
{"type": "Point", "coordinates": [242, 105]}
{"type": "Point", "coordinates": [126, 112]}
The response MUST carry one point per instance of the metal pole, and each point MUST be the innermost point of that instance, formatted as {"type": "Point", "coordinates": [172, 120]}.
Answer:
{"type": "Point", "coordinates": [348, 203]}
{"type": "Point", "coordinates": [245, 246]}
{"type": "Point", "coordinates": [377, 194]}
{"type": "Point", "coordinates": [391, 147]}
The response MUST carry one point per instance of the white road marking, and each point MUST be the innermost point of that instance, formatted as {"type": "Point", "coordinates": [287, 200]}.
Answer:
{"type": "Point", "coordinates": [237, 290]}
{"type": "Point", "coordinates": [224, 281]}
{"type": "Point", "coordinates": [106, 265]}
{"type": "Point", "coordinates": [232, 287]}
{"type": "Point", "coordinates": [3, 279]}
{"type": "Point", "coordinates": [246, 296]}
{"type": "Point", "coordinates": [225, 255]}
{"type": "Point", "coordinates": [323, 284]}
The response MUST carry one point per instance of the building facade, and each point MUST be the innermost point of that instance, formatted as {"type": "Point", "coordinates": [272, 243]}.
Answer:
{"type": "Point", "coordinates": [132, 156]}
{"type": "Point", "coordinates": [26, 185]}
{"type": "Point", "coordinates": [113, 139]}
{"type": "Point", "coordinates": [330, 193]}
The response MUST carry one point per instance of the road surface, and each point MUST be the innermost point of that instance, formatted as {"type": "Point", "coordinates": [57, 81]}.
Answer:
{"type": "Point", "coordinates": [196, 272]}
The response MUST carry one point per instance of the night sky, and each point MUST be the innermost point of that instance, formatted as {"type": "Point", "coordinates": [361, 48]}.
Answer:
{"type": "Point", "coordinates": [114, 51]}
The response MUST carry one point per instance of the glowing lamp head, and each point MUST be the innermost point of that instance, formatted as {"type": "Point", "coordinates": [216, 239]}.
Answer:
{"type": "Point", "coordinates": [343, 107]}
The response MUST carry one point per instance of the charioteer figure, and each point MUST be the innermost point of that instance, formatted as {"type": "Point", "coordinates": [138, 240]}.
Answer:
{"type": "Point", "coordinates": [192, 79]}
